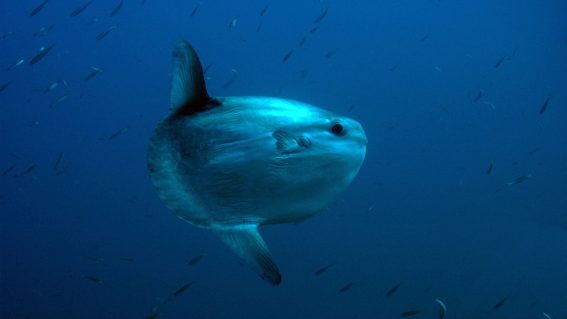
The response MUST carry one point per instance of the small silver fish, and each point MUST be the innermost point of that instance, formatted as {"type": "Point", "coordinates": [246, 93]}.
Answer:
{"type": "Point", "coordinates": [117, 8]}
{"type": "Point", "coordinates": [195, 260]}
{"type": "Point", "coordinates": [346, 287]}
{"type": "Point", "coordinates": [80, 9]}
{"type": "Point", "coordinates": [197, 6]}
{"type": "Point", "coordinates": [544, 106]}
{"type": "Point", "coordinates": [93, 279]}
{"type": "Point", "coordinates": [323, 269]}
{"type": "Point", "coordinates": [41, 53]}
{"type": "Point", "coordinates": [15, 64]}
{"type": "Point", "coordinates": [442, 308]}
{"type": "Point", "coordinates": [321, 16]}
{"type": "Point", "coordinates": [57, 102]}
{"type": "Point", "coordinates": [106, 32]}
{"type": "Point", "coordinates": [519, 179]}
{"type": "Point", "coordinates": [233, 22]}
{"type": "Point", "coordinates": [93, 73]}
{"type": "Point", "coordinates": [38, 8]}
{"type": "Point", "coordinates": [5, 85]}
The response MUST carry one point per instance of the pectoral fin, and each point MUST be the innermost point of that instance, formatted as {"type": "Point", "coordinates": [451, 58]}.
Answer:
{"type": "Point", "coordinates": [287, 143]}
{"type": "Point", "coordinates": [246, 242]}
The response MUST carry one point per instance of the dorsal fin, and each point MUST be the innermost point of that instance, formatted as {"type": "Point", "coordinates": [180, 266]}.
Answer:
{"type": "Point", "coordinates": [188, 90]}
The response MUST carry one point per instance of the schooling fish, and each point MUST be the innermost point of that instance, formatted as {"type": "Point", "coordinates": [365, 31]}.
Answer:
{"type": "Point", "coordinates": [25, 172]}
{"type": "Point", "coordinates": [442, 309]}
{"type": "Point", "coordinates": [195, 260]}
{"type": "Point", "coordinates": [544, 106]}
{"type": "Point", "coordinates": [43, 31]}
{"type": "Point", "coordinates": [197, 6]}
{"type": "Point", "coordinates": [410, 313]}
{"type": "Point", "coordinates": [182, 289]}
{"type": "Point", "coordinates": [15, 64]}
{"type": "Point", "coordinates": [346, 287]}
{"type": "Point", "coordinates": [80, 9]}
{"type": "Point", "coordinates": [5, 85]}
{"type": "Point", "coordinates": [93, 279]}
{"type": "Point", "coordinates": [490, 167]}
{"type": "Point", "coordinates": [321, 16]}
{"type": "Point", "coordinates": [152, 315]}
{"type": "Point", "coordinates": [93, 73]}
{"type": "Point", "coordinates": [106, 32]}
{"type": "Point", "coordinates": [518, 180]}
{"type": "Point", "coordinates": [43, 51]}
{"type": "Point", "coordinates": [38, 8]}
{"type": "Point", "coordinates": [116, 134]}
{"type": "Point", "coordinates": [500, 303]}
{"type": "Point", "coordinates": [117, 8]}
{"type": "Point", "coordinates": [287, 56]}
{"type": "Point", "coordinates": [264, 10]}
{"type": "Point", "coordinates": [233, 164]}
{"type": "Point", "coordinates": [231, 80]}
{"type": "Point", "coordinates": [478, 96]}
{"type": "Point", "coordinates": [233, 22]}
{"type": "Point", "coordinates": [58, 161]}
{"type": "Point", "coordinates": [323, 269]}
{"type": "Point", "coordinates": [499, 62]}
{"type": "Point", "coordinates": [393, 290]}
{"type": "Point", "coordinates": [8, 170]}
{"type": "Point", "coordinates": [54, 85]}
{"type": "Point", "coordinates": [57, 102]}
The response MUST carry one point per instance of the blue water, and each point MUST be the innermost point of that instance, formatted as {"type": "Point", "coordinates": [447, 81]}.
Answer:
{"type": "Point", "coordinates": [423, 211]}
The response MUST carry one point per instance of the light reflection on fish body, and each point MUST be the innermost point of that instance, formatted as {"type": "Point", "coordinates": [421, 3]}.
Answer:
{"type": "Point", "coordinates": [442, 309]}
{"type": "Point", "coordinates": [93, 73]}
{"type": "Point", "coordinates": [519, 180]}
{"type": "Point", "coordinates": [43, 31]}
{"type": "Point", "coordinates": [233, 22]}
{"type": "Point", "coordinates": [57, 102]}
{"type": "Point", "coordinates": [41, 53]}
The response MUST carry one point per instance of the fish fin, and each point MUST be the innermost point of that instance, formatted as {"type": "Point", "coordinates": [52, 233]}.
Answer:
{"type": "Point", "coordinates": [188, 90]}
{"type": "Point", "coordinates": [247, 243]}
{"type": "Point", "coordinates": [286, 143]}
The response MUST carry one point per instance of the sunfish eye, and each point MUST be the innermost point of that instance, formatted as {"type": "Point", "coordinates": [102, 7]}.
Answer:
{"type": "Point", "coordinates": [337, 129]}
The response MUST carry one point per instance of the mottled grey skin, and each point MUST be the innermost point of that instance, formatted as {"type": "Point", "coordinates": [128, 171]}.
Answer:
{"type": "Point", "coordinates": [232, 164]}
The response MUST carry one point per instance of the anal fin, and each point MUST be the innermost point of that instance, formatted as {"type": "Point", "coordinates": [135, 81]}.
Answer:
{"type": "Point", "coordinates": [246, 242]}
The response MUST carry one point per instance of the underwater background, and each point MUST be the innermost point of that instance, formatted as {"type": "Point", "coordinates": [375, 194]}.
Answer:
{"type": "Point", "coordinates": [462, 196]}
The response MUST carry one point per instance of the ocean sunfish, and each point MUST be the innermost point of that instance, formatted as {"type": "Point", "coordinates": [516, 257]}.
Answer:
{"type": "Point", "coordinates": [232, 164]}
